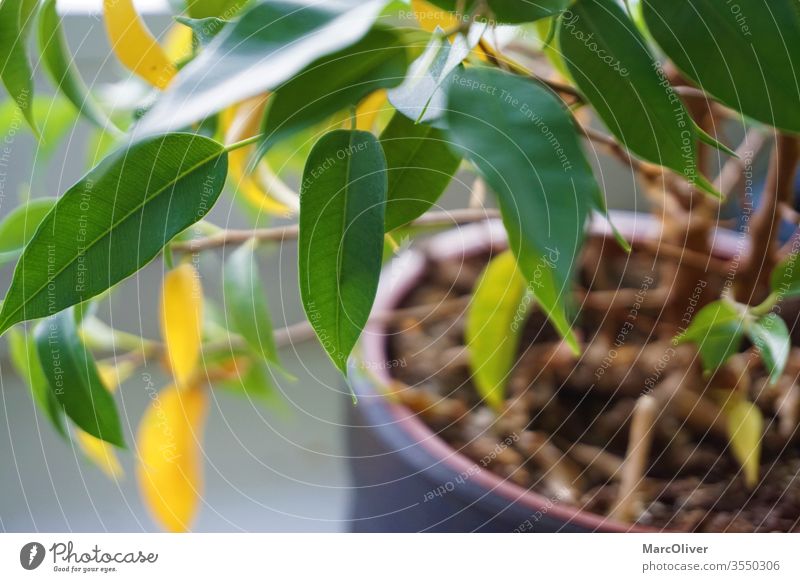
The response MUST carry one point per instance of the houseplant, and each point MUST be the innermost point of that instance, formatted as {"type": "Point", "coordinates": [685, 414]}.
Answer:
{"type": "Point", "coordinates": [383, 102]}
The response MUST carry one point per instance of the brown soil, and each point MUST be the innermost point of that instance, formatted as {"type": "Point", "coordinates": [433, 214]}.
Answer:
{"type": "Point", "coordinates": [567, 420]}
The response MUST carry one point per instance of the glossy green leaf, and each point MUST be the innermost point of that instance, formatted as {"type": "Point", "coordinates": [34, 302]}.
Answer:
{"type": "Point", "coordinates": [342, 203]}
{"type": "Point", "coordinates": [246, 302]}
{"type": "Point", "coordinates": [420, 165]}
{"type": "Point", "coordinates": [138, 199]}
{"type": "Point", "coordinates": [509, 11]}
{"type": "Point", "coordinates": [25, 358]}
{"type": "Point", "coordinates": [785, 277]}
{"type": "Point", "coordinates": [717, 330]}
{"type": "Point", "coordinates": [16, 19]}
{"type": "Point", "coordinates": [495, 321]}
{"type": "Point", "coordinates": [18, 227]}
{"type": "Point", "coordinates": [333, 83]}
{"type": "Point", "coordinates": [613, 68]}
{"type": "Point", "coordinates": [524, 143]}
{"type": "Point", "coordinates": [266, 46]}
{"type": "Point", "coordinates": [746, 54]}
{"type": "Point", "coordinates": [770, 336]}
{"type": "Point", "coordinates": [71, 372]}
{"type": "Point", "coordinates": [204, 29]}
{"type": "Point", "coordinates": [60, 66]}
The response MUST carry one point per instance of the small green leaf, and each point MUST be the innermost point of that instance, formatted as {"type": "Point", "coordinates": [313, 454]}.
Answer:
{"type": "Point", "coordinates": [745, 426]}
{"type": "Point", "coordinates": [524, 143]}
{"type": "Point", "coordinates": [256, 383]}
{"type": "Point", "coordinates": [746, 54]}
{"type": "Point", "coordinates": [71, 372]}
{"type": "Point", "coordinates": [16, 19]}
{"type": "Point", "coordinates": [717, 330]}
{"type": "Point", "coordinates": [611, 64]}
{"type": "Point", "coordinates": [342, 202]}
{"type": "Point", "coordinates": [770, 336]}
{"type": "Point", "coordinates": [266, 46]}
{"type": "Point", "coordinates": [495, 321]}
{"type": "Point", "coordinates": [333, 83]}
{"type": "Point", "coordinates": [420, 163]}
{"type": "Point", "coordinates": [19, 226]}
{"type": "Point", "coordinates": [25, 358]}
{"type": "Point", "coordinates": [785, 278]}
{"type": "Point", "coordinates": [246, 303]}
{"type": "Point", "coordinates": [59, 63]}
{"type": "Point", "coordinates": [114, 221]}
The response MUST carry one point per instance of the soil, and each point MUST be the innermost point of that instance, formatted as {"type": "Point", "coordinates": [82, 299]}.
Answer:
{"type": "Point", "coordinates": [565, 427]}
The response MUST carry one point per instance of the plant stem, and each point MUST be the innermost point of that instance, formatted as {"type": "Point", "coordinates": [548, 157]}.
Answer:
{"type": "Point", "coordinates": [243, 143]}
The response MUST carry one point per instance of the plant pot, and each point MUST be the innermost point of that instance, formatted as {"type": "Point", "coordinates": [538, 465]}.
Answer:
{"type": "Point", "coordinates": [405, 477]}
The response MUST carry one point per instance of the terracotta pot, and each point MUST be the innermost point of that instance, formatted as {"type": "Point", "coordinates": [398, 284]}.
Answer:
{"type": "Point", "coordinates": [406, 478]}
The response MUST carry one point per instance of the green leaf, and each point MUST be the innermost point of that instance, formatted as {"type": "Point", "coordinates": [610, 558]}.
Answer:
{"type": "Point", "coordinates": [333, 83]}
{"type": "Point", "coordinates": [256, 383]}
{"type": "Point", "coordinates": [510, 11]}
{"type": "Point", "coordinates": [211, 8]}
{"type": "Point", "coordinates": [745, 54]}
{"type": "Point", "coordinates": [19, 226]}
{"type": "Point", "coordinates": [770, 336]}
{"type": "Point", "coordinates": [495, 320]}
{"type": "Point", "coordinates": [785, 278]}
{"type": "Point", "coordinates": [420, 166]}
{"type": "Point", "coordinates": [421, 96]}
{"type": "Point", "coordinates": [16, 19]}
{"type": "Point", "coordinates": [246, 303]}
{"type": "Point", "coordinates": [60, 65]}
{"type": "Point", "coordinates": [269, 44]}
{"type": "Point", "coordinates": [71, 372]}
{"type": "Point", "coordinates": [524, 143]}
{"type": "Point", "coordinates": [717, 330]}
{"type": "Point", "coordinates": [613, 68]}
{"type": "Point", "coordinates": [342, 202]}
{"type": "Point", "coordinates": [114, 221]}
{"type": "Point", "coordinates": [25, 358]}
{"type": "Point", "coordinates": [204, 29]}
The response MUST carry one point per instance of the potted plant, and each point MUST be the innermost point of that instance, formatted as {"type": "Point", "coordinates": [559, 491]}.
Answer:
{"type": "Point", "coordinates": [532, 372]}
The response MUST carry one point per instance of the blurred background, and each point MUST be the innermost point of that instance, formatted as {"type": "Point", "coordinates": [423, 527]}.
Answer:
{"type": "Point", "coordinates": [265, 470]}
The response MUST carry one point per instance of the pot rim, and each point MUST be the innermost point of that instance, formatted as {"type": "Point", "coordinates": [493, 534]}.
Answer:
{"type": "Point", "coordinates": [405, 270]}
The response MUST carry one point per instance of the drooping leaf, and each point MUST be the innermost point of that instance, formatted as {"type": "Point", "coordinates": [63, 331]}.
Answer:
{"type": "Point", "coordinates": [134, 44]}
{"type": "Point", "coordinates": [420, 165]}
{"type": "Point", "coordinates": [340, 241]}
{"type": "Point", "coordinates": [509, 11]}
{"type": "Point", "coordinates": [745, 54]}
{"type": "Point", "coordinates": [16, 19]}
{"type": "Point", "coordinates": [495, 320]}
{"type": "Point", "coordinates": [205, 29]}
{"type": "Point", "coordinates": [246, 302]}
{"type": "Point", "coordinates": [182, 321]}
{"type": "Point", "coordinates": [745, 425]}
{"type": "Point", "coordinates": [71, 372]}
{"type": "Point", "coordinates": [60, 66]}
{"type": "Point", "coordinates": [18, 227]}
{"type": "Point", "coordinates": [785, 277]}
{"type": "Point", "coordinates": [140, 198]}
{"type": "Point", "coordinates": [333, 83]}
{"type": "Point", "coordinates": [770, 336]}
{"type": "Point", "coordinates": [524, 144]}
{"type": "Point", "coordinates": [269, 44]}
{"type": "Point", "coordinates": [717, 330]}
{"type": "Point", "coordinates": [25, 358]}
{"type": "Point", "coordinates": [611, 64]}
{"type": "Point", "coordinates": [169, 468]}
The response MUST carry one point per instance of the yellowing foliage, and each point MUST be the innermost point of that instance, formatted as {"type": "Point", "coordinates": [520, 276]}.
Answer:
{"type": "Point", "coordinates": [430, 16]}
{"type": "Point", "coordinates": [182, 321]}
{"type": "Point", "coordinates": [368, 110]}
{"type": "Point", "coordinates": [169, 470]}
{"type": "Point", "coordinates": [134, 45]}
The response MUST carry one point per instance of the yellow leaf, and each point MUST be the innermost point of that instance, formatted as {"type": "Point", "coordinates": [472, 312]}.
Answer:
{"type": "Point", "coordinates": [178, 43]}
{"type": "Point", "coordinates": [170, 463]}
{"type": "Point", "coordinates": [113, 376]}
{"type": "Point", "coordinates": [182, 321]}
{"type": "Point", "coordinates": [430, 16]}
{"type": "Point", "coordinates": [745, 425]}
{"type": "Point", "coordinates": [368, 110]}
{"type": "Point", "coordinates": [134, 45]}
{"type": "Point", "coordinates": [264, 190]}
{"type": "Point", "coordinates": [100, 453]}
